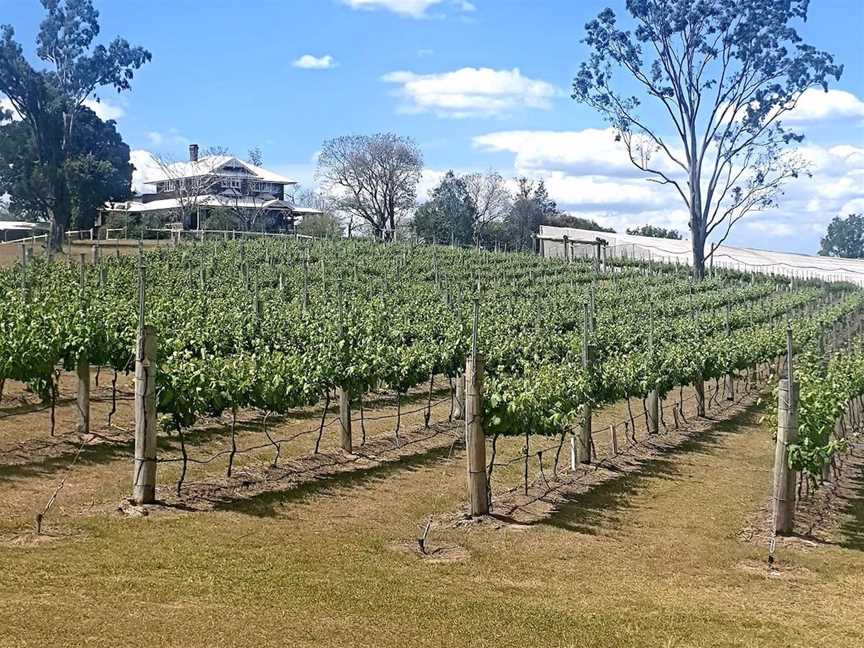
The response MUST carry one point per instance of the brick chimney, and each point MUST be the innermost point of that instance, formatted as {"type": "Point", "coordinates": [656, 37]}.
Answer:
{"type": "Point", "coordinates": [193, 152]}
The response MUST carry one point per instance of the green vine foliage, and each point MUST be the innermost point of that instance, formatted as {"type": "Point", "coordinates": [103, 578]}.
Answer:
{"type": "Point", "coordinates": [276, 324]}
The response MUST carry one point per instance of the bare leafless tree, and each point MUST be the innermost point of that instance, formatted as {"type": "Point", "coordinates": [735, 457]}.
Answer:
{"type": "Point", "coordinates": [491, 198]}
{"type": "Point", "coordinates": [189, 182]}
{"type": "Point", "coordinates": [373, 178]}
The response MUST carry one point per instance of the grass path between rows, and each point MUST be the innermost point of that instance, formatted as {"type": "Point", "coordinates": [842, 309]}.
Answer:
{"type": "Point", "coordinates": [648, 559]}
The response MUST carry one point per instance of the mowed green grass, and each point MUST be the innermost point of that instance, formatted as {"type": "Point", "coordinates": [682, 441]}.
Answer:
{"type": "Point", "coordinates": [649, 559]}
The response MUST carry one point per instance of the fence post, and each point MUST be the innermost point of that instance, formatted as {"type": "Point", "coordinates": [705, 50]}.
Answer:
{"type": "Point", "coordinates": [566, 240]}
{"type": "Point", "coordinates": [784, 477]}
{"type": "Point", "coordinates": [474, 438]}
{"type": "Point", "coordinates": [345, 419]}
{"type": "Point", "coordinates": [144, 475]}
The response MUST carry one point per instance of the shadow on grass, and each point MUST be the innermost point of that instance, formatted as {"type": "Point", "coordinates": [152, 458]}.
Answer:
{"type": "Point", "coordinates": [598, 509]}
{"type": "Point", "coordinates": [852, 527]}
{"type": "Point", "coordinates": [97, 453]}
{"type": "Point", "coordinates": [265, 504]}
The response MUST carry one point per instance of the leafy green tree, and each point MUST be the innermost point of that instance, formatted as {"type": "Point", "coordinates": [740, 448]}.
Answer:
{"type": "Point", "coordinates": [96, 169]}
{"type": "Point", "coordinates": [720, 75]}
{"type": "Point", "coordinates": [49, 97]}
{"type": "Point", "coordinates": [656, 232]}
{"type": "Point", "coordinates": [844, 238]}
{"type": "Point", "coordinates": [450, 214]}
{"type": "Point", "coordinates": [324, 225]}
{"type": "Point", "coordinates": [531, 208]}
{"type": "Point", "coordinates": [576, 222]}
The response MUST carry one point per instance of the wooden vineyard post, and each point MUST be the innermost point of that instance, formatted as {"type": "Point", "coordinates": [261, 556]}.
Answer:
{"type": "Point", "coordinates": [82, 371]}
{"type": "Point", "coordinates": [583, 446]}
{"type": "Point", "coordinates": [699, 388]}
{"type": "Point", "coordinates": [566, 240]}
{"type": "Point", "coordinates": [784, 477]}
{"type": "Point", "coordinates": [729, 378]}
{"type": "Point", "coordinates": [83, 398]}
{"type": "Point", "coordinates": [345, 419]}
{"type": "Point", "coordinates": [653, 395]}
{"type": "Point", "coordinates": [475, 440]}
{"type": "Point", "coordinates": [653, 412]}
{"type": "Point", "coordinates": [144, 474]}
{"type": "Point", "coordinates": [459, 402]}
{"type": "Point", "coordinates": [474, 437]}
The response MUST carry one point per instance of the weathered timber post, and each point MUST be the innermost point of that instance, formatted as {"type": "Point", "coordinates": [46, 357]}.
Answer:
{"type": "Point", "coordinates": [474, 437]}
{"type": "Point", "coordinates": [699, 388]}
{"type": "Point", "coordinates": [82, 370]}
{"type": "Point", "coordinates": [653, 395]}
{"type": "Point", "coordinates": [144, 475]}
{"type": "Point", "coordinates": [653, 411]}
{"type": "Point", "coordinates": [784, 477]}
{"type": "Point", "coordinates": [729, 378]}
{"type": "Point", "coordinates": [459, 402]}
{"type": "Point", "coordinates": [345, 419]}
{"type": "Point", "coordinates": [583, 445]}
{"type": "Point", "coordinates": [566, 248]}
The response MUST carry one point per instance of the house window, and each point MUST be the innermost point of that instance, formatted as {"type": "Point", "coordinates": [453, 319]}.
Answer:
{"type": "Point", "coordinates": [232, 183]}
{"type": "Point", "coordinates": [262, 186]}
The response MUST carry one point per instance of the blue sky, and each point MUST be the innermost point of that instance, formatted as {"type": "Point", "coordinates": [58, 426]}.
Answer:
{"type": "Point", "coordinates": [480, 84]}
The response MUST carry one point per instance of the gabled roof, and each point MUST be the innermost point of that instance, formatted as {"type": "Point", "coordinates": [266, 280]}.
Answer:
{"type": "Point", "coordinates": [211, 164]}
{"type": "Point", "coordinates": [210, 201]}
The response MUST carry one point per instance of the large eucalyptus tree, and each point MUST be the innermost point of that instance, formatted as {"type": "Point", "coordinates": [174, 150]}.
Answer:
{"type": "Point", "coordinates": [707, 84]}
{"type": "Point", "coordinates": [49, 98]}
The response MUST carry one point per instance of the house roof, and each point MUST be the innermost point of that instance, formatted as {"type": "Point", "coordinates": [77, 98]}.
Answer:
{"type": "Point", "coordinates": [211, 164]}
{"type": "Point", "coordinates": [21, 225]}
{"type": "Point", "coordinates": [209, 201]}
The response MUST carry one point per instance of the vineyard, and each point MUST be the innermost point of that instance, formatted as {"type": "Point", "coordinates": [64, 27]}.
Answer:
{"type": "Point", "coordinates": [265, 354]}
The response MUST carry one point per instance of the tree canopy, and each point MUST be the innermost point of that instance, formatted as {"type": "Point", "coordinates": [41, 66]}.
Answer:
{"type": "Point", "coordinates": [713, 80]}
{"type": "Point", "coordinates": [655, 231]}
{"type": "Point", "coordinates": [96, 169]}
{"type": "Point", "coordinates": [844, 238]}
{"type": "Point", "coordinates": [49, 98]}
{"type": "Point", "coordinates": [450, 216]}
{"type": "Point", "coordinates": [372, 178]}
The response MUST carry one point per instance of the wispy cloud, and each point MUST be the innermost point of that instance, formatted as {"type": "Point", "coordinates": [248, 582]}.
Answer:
{"type": "Point", "coordinates": [171, 138]}
{"type": "Point", "coordinates": [410, 8]}
{"type": "Point", "coordinates": [588, 173]}
{"type": "Point", "coordinates": [310, 62]}
{"type": "Point", "coordinates": [471, 92]}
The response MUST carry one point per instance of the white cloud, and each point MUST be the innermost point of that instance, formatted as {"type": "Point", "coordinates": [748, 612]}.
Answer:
{"type": "Point", "coordinates": [589, 175]}
{"type": "Point", "coordinates": [591, 151]}
{"type": "Point", "coordinates": [105, 110]}
{"type": "Point", "coordinates": [471, 92]}
{"type": "Point", "coordinates": [146, 167]}
{"type": "Point", "coordinates": [817, 105]}
{"type": "Point", "coordinates": [172, 138]}
{"type": "Point", "coordinates": [310, 62]}
{"type": "Point", "coordinates": [409, 8]}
